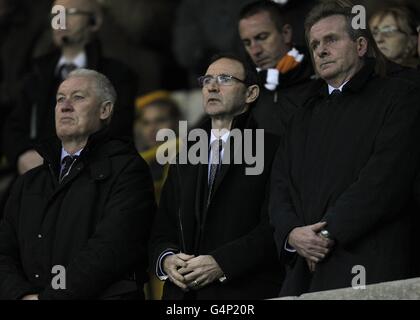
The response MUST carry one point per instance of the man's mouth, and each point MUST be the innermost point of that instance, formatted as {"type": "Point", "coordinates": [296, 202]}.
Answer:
{"type": "Point", "coordinates": [325, 64]}
{"type": "Point", "coordinates": [262, 62]}
{"type": "Point", "coordinates": [66, 119]}
{"type": "Point", "coordinates": [213, 100]}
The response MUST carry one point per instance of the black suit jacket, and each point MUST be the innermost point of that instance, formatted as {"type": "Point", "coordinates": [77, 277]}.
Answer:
{"type": "Point", "coordinates": [234, 229]}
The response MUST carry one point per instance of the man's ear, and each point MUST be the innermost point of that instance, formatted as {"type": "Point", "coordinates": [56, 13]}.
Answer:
{"type": "Point", "coordinates": [287, 33]}
{"type": "Point", "coordinates": [252, 93]}
{"type": "Point", "coordinates": [106, 110]}
{"type": "Point", "coordinates": [362, 46]}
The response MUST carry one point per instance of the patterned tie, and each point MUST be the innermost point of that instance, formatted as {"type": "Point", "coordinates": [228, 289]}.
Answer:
{"type": "Point", "coordinates": [66, 165]}
{"type": "Point", "coordinates": [335, 93]}
{"type": "Point", "coordinates": [215, 149]}
{"type": "Point", "coordinates": [65, 69]}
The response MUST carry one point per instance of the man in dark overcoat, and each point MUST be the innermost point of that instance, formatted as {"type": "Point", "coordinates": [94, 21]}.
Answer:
{"type": "Point", "coordinates": [77, 226]}
{"type": "Point", "coordinates": [342, 179]}
{"type": "Point", "coordinates": [212, 238]}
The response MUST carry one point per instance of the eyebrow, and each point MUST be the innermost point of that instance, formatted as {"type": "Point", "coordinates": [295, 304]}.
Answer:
{"type": "Point", "coordinates": [328, 35]}
{"type": "Point", "coordinates": [72, 93]}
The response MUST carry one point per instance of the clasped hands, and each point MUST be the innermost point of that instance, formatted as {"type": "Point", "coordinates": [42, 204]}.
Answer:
{"type": "Point", "coordinates": [191, 272]}
{"type": "Point", "coordinates": [309, 244]}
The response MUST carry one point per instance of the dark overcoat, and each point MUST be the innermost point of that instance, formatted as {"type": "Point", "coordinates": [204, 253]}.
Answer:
{"type": "Point", "coordinates": [234, 229]}
{"type": "Point", "coordinates": [349, 160]}
{"type": "Point", "coordinates": [95, 224]}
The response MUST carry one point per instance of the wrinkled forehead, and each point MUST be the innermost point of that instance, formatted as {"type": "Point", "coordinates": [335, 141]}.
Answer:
{"type": "Point", "coordinates": [72, 84]}
{"type": "Point", "coordinates": [329, 25]}
{"type": "Point", "coordinates": [226, 66]}
{"type": "Point", "coordinates": [86, 5]}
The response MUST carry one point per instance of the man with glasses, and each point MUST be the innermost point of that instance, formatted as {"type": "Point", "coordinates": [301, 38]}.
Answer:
{"type": "Point", "coordinates": [33, 117]}
{"type": "Point", "coordinates": [211, 238]}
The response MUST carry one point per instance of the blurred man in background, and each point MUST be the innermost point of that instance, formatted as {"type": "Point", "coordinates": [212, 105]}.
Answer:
{"type": "Point", "coordinates": [283, 68]}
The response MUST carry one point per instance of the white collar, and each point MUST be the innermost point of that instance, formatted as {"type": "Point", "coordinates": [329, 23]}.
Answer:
{"type": "Point", "coordinates": [64, 154]}
{"type": "Point", "coordinates": [331, 88]}
{"type": "Point", "coordinates": [80, 61]}
{"type": "Point", "coordinates": [215, 134]}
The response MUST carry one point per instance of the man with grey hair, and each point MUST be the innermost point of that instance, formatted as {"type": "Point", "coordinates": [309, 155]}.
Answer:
{"type": "Point", "coordinates": [77, 46]}
{"type": "Point", "coordinates": [341, 197]}
{"type": "Point", "coordinates": [77, 226]}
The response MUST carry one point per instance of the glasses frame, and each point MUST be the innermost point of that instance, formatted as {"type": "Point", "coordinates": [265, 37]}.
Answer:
{"type": "Point", "coordinates": [216, 78]}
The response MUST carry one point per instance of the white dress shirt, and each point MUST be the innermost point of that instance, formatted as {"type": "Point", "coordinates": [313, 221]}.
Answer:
{"type": "Point", "coordinates": [340, 88]}
{"type": "Point", "coordinates": [80, 61]}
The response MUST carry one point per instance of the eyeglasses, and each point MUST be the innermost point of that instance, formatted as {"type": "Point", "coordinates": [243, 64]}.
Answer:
{"type": "Point", "coordinates": [221, 80]}
{"type": "Point", "coordinates": [387, 31]}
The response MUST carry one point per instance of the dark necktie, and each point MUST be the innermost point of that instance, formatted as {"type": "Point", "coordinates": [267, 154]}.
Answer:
{"type": "Point", "coordinates": [335, 93]}
{"type": "Point", "coordinates": [215, 149]}
{"type": "Point", "coordinates": [65, 69]}
{"type": "Point", "coordinates": [66, 165]}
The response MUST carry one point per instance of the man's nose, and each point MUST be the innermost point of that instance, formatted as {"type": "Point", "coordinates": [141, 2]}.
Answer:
{"type": "Point", "coordinates": [255, 49]}
{"type": "Point", "coordinates": [66, 106]}
{"type": "Point", "coordinates": [213, 86]}
{"type": "Point", "coordinates": [322, 51]}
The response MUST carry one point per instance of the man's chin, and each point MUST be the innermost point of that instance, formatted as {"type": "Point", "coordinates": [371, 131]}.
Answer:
{"type": "Point", "coordinates": [63, 133]}
{"type": "Point", "coordinates": [266, 65]}
{"type": "Point", "coordinates": [327, 74]}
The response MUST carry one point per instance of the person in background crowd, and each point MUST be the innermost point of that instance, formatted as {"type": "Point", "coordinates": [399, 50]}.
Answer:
{"type": "Point", "coordinates": [394, 30]}
{"type": "Point", "coordinates": [155, 111]}
{"type": "Point", "coordinates": [283, 67]}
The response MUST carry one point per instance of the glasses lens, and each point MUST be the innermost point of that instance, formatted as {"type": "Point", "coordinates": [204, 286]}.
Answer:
{"type": "Point", "coordinates": [224, 80]}
{"type": "Point", "coordinates": [204, 80]}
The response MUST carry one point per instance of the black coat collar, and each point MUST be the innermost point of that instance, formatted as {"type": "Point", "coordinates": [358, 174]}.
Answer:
{"type": "Point", "coordinates": [50, 149]}
{"type": "Point", "coordinates": [319, 88]}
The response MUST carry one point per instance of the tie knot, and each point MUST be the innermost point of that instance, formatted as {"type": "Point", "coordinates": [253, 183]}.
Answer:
{"type": "Point", "coordinates": [335, 93]}
{"type": "Point", "coordinates": [65, 69]}
{"type": "Point", "coordinates": [68, 160]}
{"type": "Point", "coordinates": [66, 165]}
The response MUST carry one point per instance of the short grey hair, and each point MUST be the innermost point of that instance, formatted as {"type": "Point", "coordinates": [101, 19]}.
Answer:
{"type": "Point", "coordinates": [104, 88]}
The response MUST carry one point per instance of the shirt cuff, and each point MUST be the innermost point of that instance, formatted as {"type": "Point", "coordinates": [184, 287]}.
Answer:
{"type": "Point", "coordinates": [288, 248]}
{"type": "Point", "coordinates": [160, 273]}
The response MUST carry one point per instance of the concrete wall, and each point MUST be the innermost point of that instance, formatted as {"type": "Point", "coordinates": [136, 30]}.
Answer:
{"type": "Point", "coordinates": [394, 290]}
